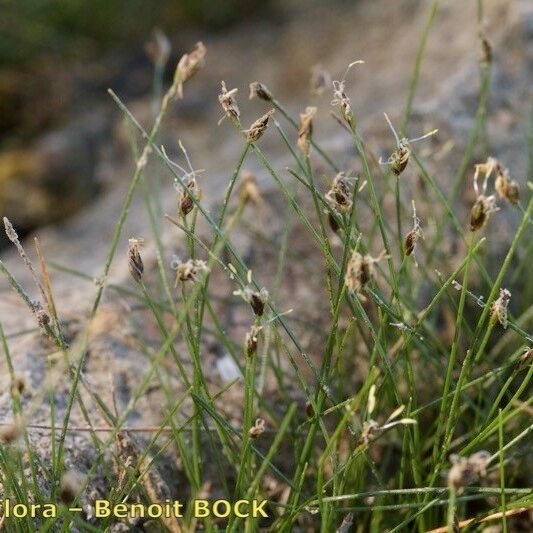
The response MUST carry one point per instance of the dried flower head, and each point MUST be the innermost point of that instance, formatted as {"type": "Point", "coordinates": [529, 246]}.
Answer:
{"type": "Point", "coordinates": [506, 188]}
{"type": "Point", "coordinates": [257, 429]}
{"type": "Point", "coordinates": [186, 194]}
{"type": "Point", "coordinates": [70, 486]}
{"type": "Point", "coordinates": [371, 427]}
{"type": "Point", "coordinates": [340, 195]}
{"type": "Point", "coordinates": [257, 299]}
{"type": "Point", "coordinates": [413, 236]}
{"type": "Point", "coordinates": [361, 270]}
{"type": "Point", "coordinates": [341, 100]}
{"type": "Point", "coordinates": [18, 385]}
{"type": "Point", "coordinates": [135, 263]}
{"type": "Point", "coordinates": [256, 130]}
{"type": "Point", "coordinates": [158, 48]}
{"type": "Point", "coordinates": [484, 205]}
{"type": "Point", "coordinates": [320, 80]}
{"type": "Point", "coordinates": [188, 66]}
{"type": "Point", "coordinates": [190, 270]}
{"type": "Point", "coordinates": [11, 432]}
{"type": "Point", "coordinates": [229, 104]}
{"type": "Point", "coordinates": [251, 340]}
{"type": "Point", "coordinates": [464, 470]}
{"type": "Point", "coordinates": [499, 307]}
{"type": "Point", "coordinates": [305, 130]}
{"type": "Point", "coordinates": [260, 90]}
{"type": "Point", "coordinates": [249, 191]}
{"type": "Point", "coordinates": [486, 48]}
{"type": "Point", "coordinates": [400, 157]}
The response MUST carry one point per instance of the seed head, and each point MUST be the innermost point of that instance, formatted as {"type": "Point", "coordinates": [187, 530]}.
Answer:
{"type": "Point", "coordinates": [340, 195]}
{"type": "Point", "coordinates": [18, 384]}
{"type": "Point", "coordinates": [486, 49]}
{"type": "Point", "coordinates": [251, 340]}
{"type": "Point", "coordinates": [413, 236]}
{"type": "Point", "coordinates": [188, 66]}
{"type": "Point", "coordinates": [135, 263]}
{"type": "Point", "coordinates": [229, 104]}
{"type": "Point", "coordinates": [400, 157]}
{"type": "Point", "coordinates": [70, 486]}
{"type": "Point", "coordinates": [257, 299]}
{"type": "Point", "coordinates": [257, 429]}
{"type": "Point", "coordinates": [249, 191]}
{"type": "Point", "coordinates": [186, 195]}
{"type": "Point", "coordinates": [506, 188]}
{"type": "Point", "coordinates": [306, 130]}
{"type": "Point", "coordinates": [343, 102]}
{"type": "Point", "coordinates": [499, 307]}
{"type": "Point", "coordinates": [256, 130]}
{"type": "Point", "coordinates": [158, 48]}
{"type": "Point", "coordinates": [260, 90]}
{"type": "Point", "coordinates": [484, 205]}
{"type": "Point", "coordinates": [361, 270]}
{"type": "Point", "coordinates": [10, 433]}
{"type": "Point", "coordinates": [190, 270]}
{"type": "Point", "coordinates": [320, 80]}
{"type": "Point", "coordinates": [464, 470]}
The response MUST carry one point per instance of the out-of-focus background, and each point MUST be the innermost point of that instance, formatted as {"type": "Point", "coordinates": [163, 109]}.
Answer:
{"type": "Point", "coordinates": [65, 159]}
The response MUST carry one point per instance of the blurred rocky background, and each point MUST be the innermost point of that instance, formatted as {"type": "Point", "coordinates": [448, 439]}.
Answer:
{"type": "Point", "coordinates": [65, 159]}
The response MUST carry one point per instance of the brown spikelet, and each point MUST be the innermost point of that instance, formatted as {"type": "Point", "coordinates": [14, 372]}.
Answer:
{"type": "Point", "coordinates": [135, 262]}
{"type": "Point", "coordinates": [188, 66]}
{"type": "Point", "coordinates": [305, 130]}
{"type": "Point", "coordinates": [260, 90]}
{"type": "Point", "coordinates": [256, 130]}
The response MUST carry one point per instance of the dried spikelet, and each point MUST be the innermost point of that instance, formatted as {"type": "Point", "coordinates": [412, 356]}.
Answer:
{"type": "Point", "coordinates": [320, 80]}
{"type": "Point", "coordinates": [361, 270]}
{"type": "Point", "coordinates": [257, 299]}
{"type": "Point", "coordinates": [18, 385]}
{"type": "Point", "coordinates": [158, 48]}
{"type": "Point", "coordinates": [343, 102]}
{"type": "Point", "coordinates": [11, 432]}
{"type": "Point", "coordinates": [484, 205]}
{"type": "Point", "coordinates": [190, 270]}
{"type": "Point", "coordinates": [464, 470]}
{"type": "Point", "coordinates": [188, 66]}
{"type": "Point", "coordinates": [506, 188]}
{"type": "Point", "coordinates": [340, 195]}
{"type": "Point", "coordinates": [260, 90]}
{"type": "Point", "coordinates": [186, 195]}
{"type": "Point", "coordinates": [249, 191]}
{"type": "Point", "coordinates": [370, 427]}
{"type": "Point", "coordinates": [135, 263]}
{"type": "Point", "coordinates": [499, 307]}
{"type": "Point", "coordinates": [257, 429]}
{"type": "Point", "coordinates": [256, 130]}
{"type": "Point", "coordinates": [486, 49]}
{"type": "Point", "coordinates": [309, 411]}
{"type": "Point", "coordinates": [229, 104]}
{"type": "Point", "coordinates": [70, 486]}
{"type": "Point", "coordinates": [251, 340]}
{"type": "Point", "coordinates": [415, 234]}
{"type": "Point", "coordinates": [400, 157]}
{"type": "Point", "coordinates": [305, 130]}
